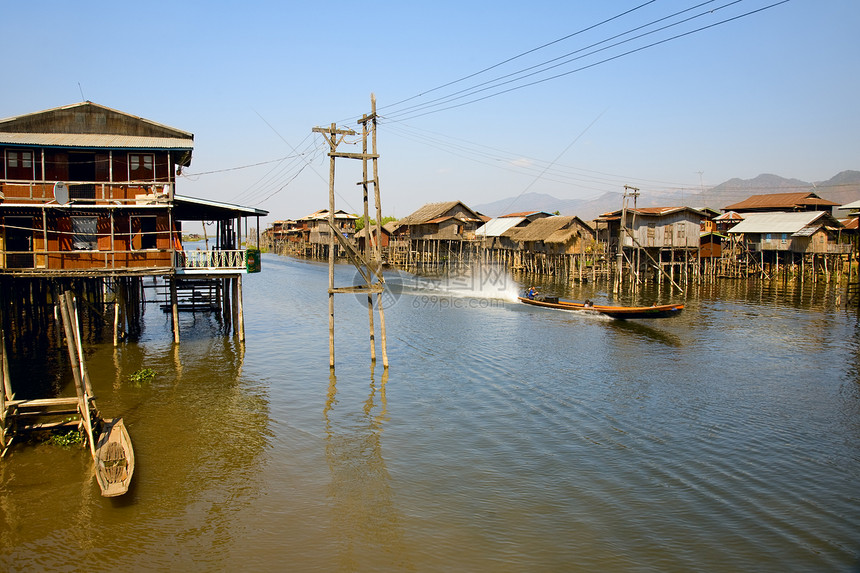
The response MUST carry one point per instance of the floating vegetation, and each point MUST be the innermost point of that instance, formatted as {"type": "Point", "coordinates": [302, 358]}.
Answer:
{"type": "Point", "coordinates": [142, 376]}
{"type": "Point", "coordinates": [68, 439]}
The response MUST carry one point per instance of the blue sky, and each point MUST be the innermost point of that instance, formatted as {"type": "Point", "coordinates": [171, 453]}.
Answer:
{"type": "Point", "coordinates": [770, 92]}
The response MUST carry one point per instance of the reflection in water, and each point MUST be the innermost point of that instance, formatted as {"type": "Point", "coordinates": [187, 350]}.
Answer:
{"type": "Point", "coordinates": [365, 519]}
{"type": "Point", "coordinates": [198, 422]}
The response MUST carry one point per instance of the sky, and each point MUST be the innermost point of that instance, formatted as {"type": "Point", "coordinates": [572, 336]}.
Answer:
{"type": "Point", "coordinates": [477, 101]}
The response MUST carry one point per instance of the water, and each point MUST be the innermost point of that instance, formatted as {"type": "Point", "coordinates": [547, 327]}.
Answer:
{"type": "Point", "coordinates": [502, 438]}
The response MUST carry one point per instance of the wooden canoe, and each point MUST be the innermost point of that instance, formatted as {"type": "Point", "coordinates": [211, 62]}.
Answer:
{"type": "Point", "coordinates": [619, 312]}
{"type": "Point", "coordinates": [114, 458]}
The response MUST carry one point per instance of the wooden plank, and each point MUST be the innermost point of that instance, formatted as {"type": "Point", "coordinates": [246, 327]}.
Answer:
{"type": "Point", "coordinates": [44, 402]}
{"type": "Point", "coordinates": [358, 289]}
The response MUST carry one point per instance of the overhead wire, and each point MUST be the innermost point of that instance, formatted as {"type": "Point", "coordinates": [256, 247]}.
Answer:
{"type": "Point", "coordinates": [545, 65]}
{"type": "Point", "coordinates": [520, 55]}
{"type": "Point", "coordinates": [429, 107]}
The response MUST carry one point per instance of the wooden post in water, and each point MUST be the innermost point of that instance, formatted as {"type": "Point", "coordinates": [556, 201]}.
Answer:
{"type": "Point", "coordinates": [66, 309]}
{"type": "Point", "coordinates": [174, 305]}
{"type": "Point", "coordinates": [241, 310]}
{"type": "Point", "coordinates": [6, 385]}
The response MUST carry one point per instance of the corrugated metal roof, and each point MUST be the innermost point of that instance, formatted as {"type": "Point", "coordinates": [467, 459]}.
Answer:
{"type": "Point", "coordinates": [497, 226]}
{"type": "Point", "coordinates": [208, 203]}
{"type": "Point", "coordinates": [96, 140]}
{"type": "Point", "coordinates": [777, 222]}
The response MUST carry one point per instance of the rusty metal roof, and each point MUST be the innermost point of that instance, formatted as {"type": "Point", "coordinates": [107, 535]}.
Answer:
{"type": "Point", "coordinates": [96, 141]}
{"type": "Point", "coordinates": [776, 201]}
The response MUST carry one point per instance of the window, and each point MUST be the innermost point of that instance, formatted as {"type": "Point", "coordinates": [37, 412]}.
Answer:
{"type": "Point", "coordinates": [141, 167]}
{"type": "Point", "coordinates": [143, 233]}
{"type": "Point", "coordinates": [20, 165]}
{"type": "Point", "coordinates": [84, 233]}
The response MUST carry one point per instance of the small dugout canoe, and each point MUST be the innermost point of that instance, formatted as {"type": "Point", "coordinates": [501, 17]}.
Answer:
{"type": "Point", "coordinates": [114, 458]}
{"type": "Point", "coordinates": [618, 312]}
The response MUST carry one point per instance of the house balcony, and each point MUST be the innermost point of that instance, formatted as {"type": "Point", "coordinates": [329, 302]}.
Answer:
{"type": "Point", "coordinates": [86, 192]}
{"type": "Point", "coordinates": [94, 263]}
{"type": "Point", "coordinates": [216, 261]}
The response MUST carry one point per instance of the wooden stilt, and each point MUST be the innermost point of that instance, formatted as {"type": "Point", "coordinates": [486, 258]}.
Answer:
{"type": "Point", "coordinates": [174, 304]}
{"type": "Point", "coordinates": [241, 317]}
{"type": "Point", "coordinates": [75, 358]}
{"type": "Point", "coordinates": [116, 315]}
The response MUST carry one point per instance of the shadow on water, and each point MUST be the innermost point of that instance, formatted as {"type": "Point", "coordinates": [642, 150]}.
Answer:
{"type": "Point", "coordinates": [645, 331]}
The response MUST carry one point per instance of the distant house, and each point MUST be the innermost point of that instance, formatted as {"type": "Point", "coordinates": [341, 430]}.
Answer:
{"type": "Point", "coordinates": [550, 235]}
{"type": "Point", "coordinates": [711, 245]}
{"type": "Point", "coordinates": [317, 230]}
{"type": "Point", "coordinates": [708, 225]}
{"type": "Point", "coordinates": [491, 231]}
{"type": "Point", "coordinates": [447, 221]}
{"type": "Point", "coordinates": [803, 201]}
{"type": "Point", "coordinates": [653, 227]}
{"type": "Point", "coordinates": [529, 215]}
{"type": "Point", "coordinates": [724, 222]}
{"type": "Point", "coordinates": [801, 232]}
{"type": "Point", "coordinates": [361, 237]}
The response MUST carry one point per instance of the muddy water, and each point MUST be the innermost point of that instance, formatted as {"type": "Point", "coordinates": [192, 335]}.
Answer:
{"type": "Point", "coordinates": [501, 438]}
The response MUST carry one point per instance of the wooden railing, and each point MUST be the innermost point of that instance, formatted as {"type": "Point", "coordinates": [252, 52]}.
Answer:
{"type": "Point", "coordinates": [211, 260]}
{"type": "Point", "coordinates": [196, 261]}
{"type": "Point", "coordinates": [124, 192]}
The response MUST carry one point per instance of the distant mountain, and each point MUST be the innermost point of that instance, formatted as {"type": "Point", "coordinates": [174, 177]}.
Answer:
{"type": "Point", "coordinates": [842, 188]}
{"type": "Point", "coordinates": [528, 202]}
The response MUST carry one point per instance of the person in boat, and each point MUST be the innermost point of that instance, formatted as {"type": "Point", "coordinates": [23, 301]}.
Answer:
{"type": "Point", "coordinates": [587, 304]}
{"type": "Point", "coordinates": [531, 293]}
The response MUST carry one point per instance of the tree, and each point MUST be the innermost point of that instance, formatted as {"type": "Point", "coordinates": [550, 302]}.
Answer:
{"type": "Point", "coordinates": [359, 223]}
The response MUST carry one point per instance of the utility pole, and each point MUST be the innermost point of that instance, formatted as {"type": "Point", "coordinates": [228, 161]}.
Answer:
{"type": "Point", "coordinates": [334, 137]}
{"type": "Point", "coordinates": [622, 229]}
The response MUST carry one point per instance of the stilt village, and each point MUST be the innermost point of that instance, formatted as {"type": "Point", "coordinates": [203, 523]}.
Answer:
{"type": "Point", "coordinates": [91, 231]}
{"type": "Point", "coordinates": [782, 236]}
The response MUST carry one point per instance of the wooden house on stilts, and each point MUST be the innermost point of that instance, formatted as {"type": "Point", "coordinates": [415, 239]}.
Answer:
{"type": "Point", "coordinates": [88, 205]}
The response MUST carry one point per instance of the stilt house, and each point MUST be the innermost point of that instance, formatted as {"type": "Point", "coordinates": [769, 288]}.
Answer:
{"type": "Point", "coordinates": [89, 193]}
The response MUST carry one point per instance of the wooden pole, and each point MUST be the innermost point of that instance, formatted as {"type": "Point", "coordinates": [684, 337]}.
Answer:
{"type": "Point", "coordinates": [71, 344]}
{"type": "Point", "coordinates": [174, 305]}
{"type": "Point", "coordinates": [331, 244]}
{"type": "Point", "coordinates": [378, 252]}
{"type": "Point", "coordinates": [368, 235]}
{"type": "Point", "coordinates": [6, 386]}
{"type": "Point", "coordinates": [116, 313]}
{"type": "Point", "coordinates": [241, 310]}
{"type": "Point", "coordinates": [73, 313]}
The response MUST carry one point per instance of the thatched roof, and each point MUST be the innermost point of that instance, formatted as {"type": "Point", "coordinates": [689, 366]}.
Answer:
{"type": "Point", "coordinates": [548, 230]}
{"type": "Point", "coordinates": [435, 212]}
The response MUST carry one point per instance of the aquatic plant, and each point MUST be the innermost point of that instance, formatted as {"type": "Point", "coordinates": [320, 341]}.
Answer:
{"type": "Point", "coordinates": [68, 439]}
{"type": "Point", "coordinates": [142, 376]}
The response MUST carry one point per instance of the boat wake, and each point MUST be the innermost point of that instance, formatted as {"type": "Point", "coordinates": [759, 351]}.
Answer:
{"type": "Point", "coordinates": [477, 281]}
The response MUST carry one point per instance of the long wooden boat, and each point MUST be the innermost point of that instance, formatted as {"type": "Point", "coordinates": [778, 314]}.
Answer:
{"type": "Point", "coordinates": [619, 312]}
{"type": "Point", "coordinates": [114, 458]}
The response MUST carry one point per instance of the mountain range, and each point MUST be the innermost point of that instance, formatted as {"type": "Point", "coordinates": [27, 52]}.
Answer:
{"type": "Point", "coordinates": [842, 188]}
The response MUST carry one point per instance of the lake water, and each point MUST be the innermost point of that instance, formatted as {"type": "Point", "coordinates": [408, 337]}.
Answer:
{"type": "Point", "coordinates": [502, 437]}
